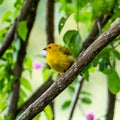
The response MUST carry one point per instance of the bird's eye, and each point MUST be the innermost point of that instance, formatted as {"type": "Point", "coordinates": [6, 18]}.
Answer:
{"type": "Point", "coordinates": [49, 47]}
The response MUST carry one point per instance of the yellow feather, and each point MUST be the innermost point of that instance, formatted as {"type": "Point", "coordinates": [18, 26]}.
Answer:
{"type": "Point", "coordinates": [58, 57]}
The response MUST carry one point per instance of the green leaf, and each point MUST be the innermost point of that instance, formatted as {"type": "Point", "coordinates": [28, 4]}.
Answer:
{"type": "Point", "coordinates": [37, 117]}
{"type": "Point", "coordinates": [1, 1]}
{"type": "Point", "coordinates": [21, 101]}
{"type": "Point", "coordinates": [73, 42]}
{"type": "Point", "coordinates": [83, 17]}
{"type": "Point", "coordinates": [28, 63]}
{"type": "Point", "coordinates": [17, 44]}
{"type": "Point", "coordinates": [61, 23]}
{"type": "Point", "coordinates": [82, 3]}
{"type": "Point", "coordinates": [22, 30]}
{"type": "Point", "coordinates": [68, 36]}
{"type": "Point", "coordinates": [69, 9]}
{"type": "Point", "coordinates": [1, 38]}
{"type": "Point", "coordinates": [3, 102]}
{"type": "Point", "coordinates": [1, 84]}
{"type": "Point", "coordinates": [26, 84]}
{"type": "Point", "coordinates": [66, 104]}
{"type": "Point", "coordinates": [85, 72]}
{"type": "Point", "coordinates": [6, 16]}
{"type": "Point", "coordinates": [23, 93]}
{"type": "Point", "coordinates": [104, 64]}
{"type": "Point", "coordinates": [69, 1]}
{"type": "Point", "coordinates": [46, 74]}
{"type": "Point", "coordinates": [113, 81]}
{"type": "Point", "coordinates": [117, 11]}
{"type": "Point", "coordinates": [85, 93]}
{"type": "Point", "coordinates": [3, 31]}
{"type": "Point", "coordinates": [71, 89]}
{"type": "Point", "coordinates": [48, 113]}
{"type": "Point", "coordinates": [8, 117]}
{"type": "Point", "coordinates": [86, 100]}
{"type": "Point", "coordinates": [16, 12]}
{"type": "Point", "coordinates": [103, 6]}
{"type": "Point", "coordinates": [117, 54]}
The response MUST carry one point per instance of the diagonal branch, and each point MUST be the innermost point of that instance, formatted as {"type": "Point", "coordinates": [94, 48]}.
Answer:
{"type": "Point", "coordinates": [99, 22]}
{"type": "Point", "coordinates": [40, 90]}
{"type": "Point", "coordinates": [36, 94]}
{"type": "Point", "coordinates": [75, 98]}
{"type": "Point", "coordinates": [11, 32]}
{"type": "Point", "coordinates": [65, 80]}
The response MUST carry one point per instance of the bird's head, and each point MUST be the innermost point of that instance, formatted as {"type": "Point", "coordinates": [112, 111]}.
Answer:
{"type": "Point", "coordinates": [50, 48]}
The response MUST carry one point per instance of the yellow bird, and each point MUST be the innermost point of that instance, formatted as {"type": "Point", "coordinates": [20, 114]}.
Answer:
{"type": "Point", "coordinates": [58, 57]}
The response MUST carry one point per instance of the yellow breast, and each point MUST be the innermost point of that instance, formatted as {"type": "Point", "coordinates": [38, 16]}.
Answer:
{"type": "Point", "coordinates": [60, 62]}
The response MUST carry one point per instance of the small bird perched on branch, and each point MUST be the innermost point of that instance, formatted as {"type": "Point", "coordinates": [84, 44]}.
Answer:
{"type": "Point", "coordinates": [58, 57]}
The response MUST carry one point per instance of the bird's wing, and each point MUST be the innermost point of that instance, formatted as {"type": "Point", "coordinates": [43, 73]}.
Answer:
{"type": "Point", "coordinates": [65, 51]}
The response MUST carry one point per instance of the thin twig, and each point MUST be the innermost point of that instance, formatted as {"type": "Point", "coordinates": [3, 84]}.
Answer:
{"type": "Point", "coordinates": [116, 45]}
{"type": "Point", "coordinates": [75, 98]}
{"type": "Point", "coordinates": [77, 14]}
{"type": "Point", "coordinates": [96, 29]}
{"type": "Point", "coordinates": [50, 21]}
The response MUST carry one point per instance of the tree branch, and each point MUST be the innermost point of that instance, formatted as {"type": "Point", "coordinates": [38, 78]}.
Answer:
{"type": "Point", "coordinates": [50, 21]}
{"type": "Point", "coordinates": [11, 32]}
{"type": "Point", "coordinates": [99, 23]}
{"type": "Point", "coordinates": [111, 106]}
{"type": "Point", "coordinates": [75, 98]}
{"type": "Point", "coordinates": [65, 80]}
{"type": "Point", "coordinates": [50, 33]}
{"type": "Point", "coordinates": [12, 108]}
{"type": "Point", "coordinates": [36, 94]}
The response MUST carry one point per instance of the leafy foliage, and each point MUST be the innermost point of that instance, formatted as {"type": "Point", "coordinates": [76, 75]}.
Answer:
{"type": "Point", "coordinates": [6, 16]}
{"type": "Point", "coordinates": [22, 30]}
{"type": "Point", "coordinates": [66, 104]}
{"type": "Point", "coordinates": [86, 100]}
{"type": "Point", "coordinates": [85, 13]}
{"type": "Point", "coordinates": [48, 112]}
{"type": "Point", "coordinates": [61, 23]}
{"type": "Point", "coordinates": [114, 82]}
{"type": "Point", "coordinates": [73, 41]}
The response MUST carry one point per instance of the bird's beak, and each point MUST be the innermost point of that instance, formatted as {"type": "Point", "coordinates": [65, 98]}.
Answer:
{"type": "Point", "coordinates": [44, 49]}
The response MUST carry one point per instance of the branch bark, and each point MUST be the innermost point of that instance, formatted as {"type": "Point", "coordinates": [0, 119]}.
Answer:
{"type": "Point", "coordinates": [14, 96]}
{"type": "Point", "coordinates": [36, 94]}
{"type": "Point", "coordinates": [50, 39]}
{"type": "Point", "coordinates": [12, 108]}
{"type": "Point", "coordinates": [111, 106]}
{"type": "Point", "coordinates": [50, 34]}
{"type": "Point", "coordinates": [65, 80]}
{"type": "Point", "coordinates": [75, 98]}
{"type": "Point", "coordinates": [50, 21]}
{"type": "Point", "coordinates": [11, 32]}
